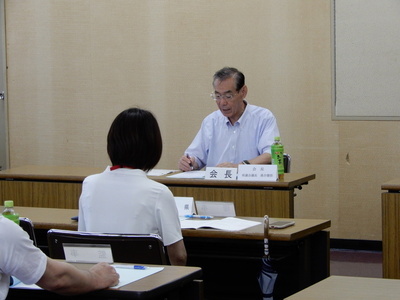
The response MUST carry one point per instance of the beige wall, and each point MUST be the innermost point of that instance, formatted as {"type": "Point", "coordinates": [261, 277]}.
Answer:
{"type": "Point", "coordinates": [74, 64]}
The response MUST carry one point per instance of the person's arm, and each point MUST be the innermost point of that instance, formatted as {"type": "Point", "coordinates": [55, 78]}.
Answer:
{"type": "Point", "coordinates": [177, 253]}
{"type": "Point", "coordinates": [63, 278]}
{"type": "Point", "coordinates": [263, 159]}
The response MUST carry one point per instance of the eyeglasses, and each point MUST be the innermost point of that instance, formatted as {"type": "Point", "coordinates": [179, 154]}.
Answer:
{"type": "Point", "coordinates": [219, 97]}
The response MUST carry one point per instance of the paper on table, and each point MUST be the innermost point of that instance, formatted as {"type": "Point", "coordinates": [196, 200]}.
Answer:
{"type": "Point", "coordinates": [22, 285]}
{"type": "Point", "coordinates": [160, 172]}
{"type": "Point", "coordinates": [228, 224]}
{"type": "Point", "coordinates": [189, 174]}
{"type": "Point", "coordinates": [127, 274]}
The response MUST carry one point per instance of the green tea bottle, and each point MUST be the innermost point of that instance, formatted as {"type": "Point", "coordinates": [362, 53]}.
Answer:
{"type": "Point", "coordinates": [9, 211]}
{"type": "Point", "coordinates": [277, 156]}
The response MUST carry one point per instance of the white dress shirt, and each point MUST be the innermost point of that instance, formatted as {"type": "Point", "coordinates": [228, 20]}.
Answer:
{"type": "Point", "coordinates": [219, 141]}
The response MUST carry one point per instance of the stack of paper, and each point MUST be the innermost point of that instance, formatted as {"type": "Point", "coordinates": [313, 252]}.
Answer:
{"type": "Point", "coordinates": [229, 224]}
{"type": "Point", "coordinates": [190, 174]}
{"type": "Point", "coordinates": [160, 172]}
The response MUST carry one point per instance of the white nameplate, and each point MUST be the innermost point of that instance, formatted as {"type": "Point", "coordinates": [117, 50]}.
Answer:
{"type": "Point", "coordinates": [258, 172]}
{"type": "Point", "coordinates": [216, 208]}
{"type": "Point", "coordinates": [185, 206]}
{"type": "Point", "coordinates": [221, 173]}
{"type": "Point", "coordinates": [88, 253]}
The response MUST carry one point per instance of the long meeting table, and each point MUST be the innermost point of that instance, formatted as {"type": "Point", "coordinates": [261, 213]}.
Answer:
{"type": "Point", "coordinates": [173, 282]}
{"type": "Point", "coordinates": [60, 187]}
{"type": "Point", "coordinates": [347, 287]}
{"type": "Point", "coordinates": [231, 260]}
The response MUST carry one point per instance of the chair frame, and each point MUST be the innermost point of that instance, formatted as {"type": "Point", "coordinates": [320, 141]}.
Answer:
{"type": "Point", "coordinates": [126, 248]}
{"type": "Point", "coordinates": [27, 225]}
{"type": "Point", "coordinates": [287, 160]}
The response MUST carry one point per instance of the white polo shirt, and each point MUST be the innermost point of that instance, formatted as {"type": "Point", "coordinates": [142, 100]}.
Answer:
{"type": "Point", "coordinates": [127, 201]}
{"type": "Point", "coordinates": [18, 256]}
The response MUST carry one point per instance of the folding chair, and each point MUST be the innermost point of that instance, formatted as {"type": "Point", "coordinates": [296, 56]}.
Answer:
{"type": "Point", "coordinates": [27, 225]}
{"type": "Point", "coordinates": [126, 248]}
{"type": "Point", "coordinates": [287, 160]}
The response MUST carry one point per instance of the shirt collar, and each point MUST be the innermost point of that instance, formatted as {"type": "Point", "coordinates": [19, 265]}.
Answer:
{"type": "Point", "coordinates": [241, 117]}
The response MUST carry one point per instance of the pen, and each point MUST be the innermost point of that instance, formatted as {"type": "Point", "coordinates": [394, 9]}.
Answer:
{"type": "Point", "coordinates": [198, 217]}
{"type": "Point", "coordinates": [135, 267]}
{"type": "Point", "coordinates": [190, 163]}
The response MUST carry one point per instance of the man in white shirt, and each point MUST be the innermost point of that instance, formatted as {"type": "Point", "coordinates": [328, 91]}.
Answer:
{"type": "Point", "coordinates": [20, 258]}
{"type": "Point", "coordinates": [237, 133]}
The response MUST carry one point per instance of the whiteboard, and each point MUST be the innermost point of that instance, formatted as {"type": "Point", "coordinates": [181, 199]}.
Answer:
{"type": "Point", "coordinates": [366, 62]}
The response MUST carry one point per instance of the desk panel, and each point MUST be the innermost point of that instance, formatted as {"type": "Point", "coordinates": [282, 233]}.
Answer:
{"type": "Point", "coordinates": [391, 229]}
{"type": "Point", "coordinates": [20, 192]}
{"type": "Point", "coordinates": [41, 193]}
{"type": "Point", "coordinates": [231, 266]}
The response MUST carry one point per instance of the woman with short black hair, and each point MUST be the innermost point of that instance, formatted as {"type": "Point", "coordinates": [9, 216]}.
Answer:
{"type": "Point", "coordinates": [123, 199]}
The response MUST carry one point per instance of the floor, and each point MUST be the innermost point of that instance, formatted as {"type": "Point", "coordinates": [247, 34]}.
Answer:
{"type": "Point", "coordinates": [357, 263]}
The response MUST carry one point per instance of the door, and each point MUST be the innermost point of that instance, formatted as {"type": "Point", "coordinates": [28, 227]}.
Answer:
{"type": "Point", "coordinates": [3, 114]}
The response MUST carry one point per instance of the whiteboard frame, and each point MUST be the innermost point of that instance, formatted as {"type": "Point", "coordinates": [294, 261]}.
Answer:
{"type": "Point", "coordinates": [335, 116]}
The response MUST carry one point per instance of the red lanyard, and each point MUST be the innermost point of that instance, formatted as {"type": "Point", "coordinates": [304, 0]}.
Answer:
{"type": "Point", "coordinates": [119, 167]}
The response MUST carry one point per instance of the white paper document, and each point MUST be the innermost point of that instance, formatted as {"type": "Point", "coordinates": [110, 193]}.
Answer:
{"type": "Point", "coordinates": [189, 174]}
{"type": "Point", "coordinates": [160, 172]}
{"type": "Point", "coordinates": [128, 273]}
{"type": "Point", "coordinates": [228, 224]}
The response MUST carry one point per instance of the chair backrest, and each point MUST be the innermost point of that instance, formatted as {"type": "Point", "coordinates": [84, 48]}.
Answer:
{"type": "Point", "coordinates": [27, 225]}
{"type": "Point", "coordinates": [287, 160]}
{"type": "Point", "coordinates": [126, 248]}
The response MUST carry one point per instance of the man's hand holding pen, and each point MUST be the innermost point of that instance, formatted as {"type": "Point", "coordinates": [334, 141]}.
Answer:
{"type": "Point", "coordinates": [187, 163]}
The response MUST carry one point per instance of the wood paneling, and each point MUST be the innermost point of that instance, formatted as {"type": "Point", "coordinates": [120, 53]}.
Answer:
{"type": "Point", "coordinates": [391, 235]}
{"type": "Point", "coordinates": [41, 194]}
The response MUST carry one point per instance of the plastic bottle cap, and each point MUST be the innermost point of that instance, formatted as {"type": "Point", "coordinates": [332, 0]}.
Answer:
{"type": "Point", "coordinates": [9, 203]}
{"type": "Point", "coordinates": [277, 138]}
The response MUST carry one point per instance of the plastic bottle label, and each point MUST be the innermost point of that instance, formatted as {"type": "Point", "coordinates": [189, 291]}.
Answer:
{"type": "Point", "coordinates": [13, 217]}
{"type": "Point", "coordinates": [277, 157]}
